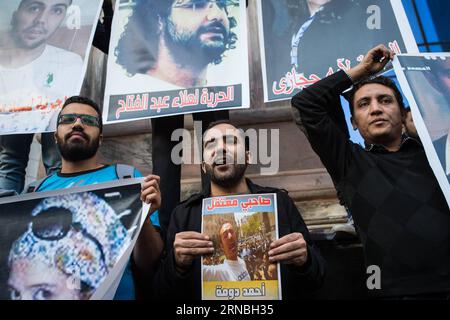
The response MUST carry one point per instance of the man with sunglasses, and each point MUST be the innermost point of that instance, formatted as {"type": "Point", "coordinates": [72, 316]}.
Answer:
{"type": "Point", "coordinates": [169, 45]}
{"type": "Point", "coordinates": [51, 253]}
{"type": "Point", "coordinates": [78, 137]}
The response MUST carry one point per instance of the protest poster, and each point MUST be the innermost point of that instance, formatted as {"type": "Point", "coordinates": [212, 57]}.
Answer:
{"type": "Point", "coordinates": [44, 51]}
{"type": "Point", "coordinates": [69, 244]}
{"type": "Point", "coordinates": [241, 228]}
{"type": "Point", "coordinates": [166, 58]}
{"type": "Point", "coordinates": [425, 81]}
{"type": "Point", "coordinates": [303, 41]}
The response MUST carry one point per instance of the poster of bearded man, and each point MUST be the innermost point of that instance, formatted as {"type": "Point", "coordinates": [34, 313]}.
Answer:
{"type": "Point", "coordinates": [172, 57]}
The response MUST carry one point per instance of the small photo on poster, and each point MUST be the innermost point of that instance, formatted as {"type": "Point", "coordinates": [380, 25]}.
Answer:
{"type": "Point", "coordinates": [241, 229]}
{"type": "Point", "coordinates": [44, 48]}
{"type": "Point", "coordinates": [425, 80]}
{"type": "Point", "coordinates": [63, 245]}
{"type": "Point", "coordinates": [176, 57]}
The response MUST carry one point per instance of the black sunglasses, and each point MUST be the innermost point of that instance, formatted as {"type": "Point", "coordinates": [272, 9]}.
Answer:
{"type": "Point", "coordinates": [55, 223]}
{"type": "Point", "coordinates": [85, 119]}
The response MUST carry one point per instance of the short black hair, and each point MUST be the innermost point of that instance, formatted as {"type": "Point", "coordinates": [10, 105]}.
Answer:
{"type": "Point", "coordinates": [86, 101]}
{"type": "Point", "coordinates": [384, 81]}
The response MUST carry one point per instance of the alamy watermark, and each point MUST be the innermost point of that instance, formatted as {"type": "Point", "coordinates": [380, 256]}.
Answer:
{"type": "Point", "coordinates": [374, 280]}
{"type": "Point", "coordinates": [262, 144]}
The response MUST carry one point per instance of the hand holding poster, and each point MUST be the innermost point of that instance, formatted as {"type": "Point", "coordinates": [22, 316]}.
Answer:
{"type": "Point", "coordinates": [44, 47]}
{"type": "Point", "coordinates": [303, 41]}
{"type": "Point", "coordinates": [67, 244]}
{"type": "Point", "coordinates": [425, 81]}
{"type": "Point", "coordinates": [241, 229]}
{"type": "Point", "coordinates": [174, 57]}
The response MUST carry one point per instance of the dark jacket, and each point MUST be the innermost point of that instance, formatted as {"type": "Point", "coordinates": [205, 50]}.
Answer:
{"type": "Point", "coordinates": [398, 207]}
{"type": "Point", "coordinates": [296, 282]}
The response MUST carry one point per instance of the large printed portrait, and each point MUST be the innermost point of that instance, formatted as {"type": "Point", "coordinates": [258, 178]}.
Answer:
{"type": "Point", "coordinates": [44, 46]}
{"type": "Point", "coordinates": [63, 245]}
{"type": "Point", "coordinates": [176, 56]}
{"type": "Point", "coordinates": [303, 41]}
{"type": "Point", "coordinates": [241, 229]}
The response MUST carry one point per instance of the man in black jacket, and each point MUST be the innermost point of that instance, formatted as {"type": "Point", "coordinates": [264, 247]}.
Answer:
{"type": "Point", "coordinates": [399, 210]}
{"type": "Point", "coordinates": [179, 275]}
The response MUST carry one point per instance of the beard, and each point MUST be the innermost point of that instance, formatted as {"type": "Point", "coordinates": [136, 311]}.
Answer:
{"type": "Point", "coordinates": [182, 42]}
{"type": "Point", "coordinates": [77, 150]}
{"type": "Point", "coordinates": [21, 43]}
{"type": "Point", "coordinates": [229, 179]}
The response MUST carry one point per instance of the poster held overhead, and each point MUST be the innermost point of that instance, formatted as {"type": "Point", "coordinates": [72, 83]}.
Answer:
{"type": "Point", "coordinates": [425, 81]}
{"type": "Point", "coordinates": [303, 41]}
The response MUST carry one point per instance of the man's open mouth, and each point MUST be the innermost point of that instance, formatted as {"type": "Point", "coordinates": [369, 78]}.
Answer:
{"type": "Point", "coordinates": [220, 161]}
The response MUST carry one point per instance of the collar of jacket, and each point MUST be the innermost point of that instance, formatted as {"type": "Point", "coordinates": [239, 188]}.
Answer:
{"type": "Point", "coordinates": [206, 193]}
{"type": "Point", "coordinates": [382, 149]}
